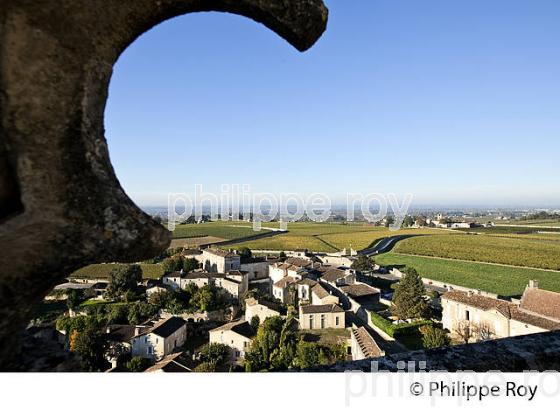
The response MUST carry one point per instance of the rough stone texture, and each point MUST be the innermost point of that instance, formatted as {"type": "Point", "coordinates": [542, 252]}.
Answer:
{"type": "Point", "coordinates": [61, 206]}
{"type": "Point", "coordinates": [537, 352]}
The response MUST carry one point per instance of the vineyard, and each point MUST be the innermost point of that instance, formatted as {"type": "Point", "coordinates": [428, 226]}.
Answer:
{"type": "Point", "coordinates": [502, 280]}
{"type": "Point", "coordinates": [517, 251]}
{"type": "Point", "coordinates": [101, 271]}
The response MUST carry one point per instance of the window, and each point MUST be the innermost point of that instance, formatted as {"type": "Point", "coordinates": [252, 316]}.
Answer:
{"type": "Point", "coordinates": [310, 322]}
{"type": "Point", "coordinates": [322, 321]}
{"type": "Point", "coordinates": [467, 315]}
{"type": "Point", "coordinates": [337, 321]}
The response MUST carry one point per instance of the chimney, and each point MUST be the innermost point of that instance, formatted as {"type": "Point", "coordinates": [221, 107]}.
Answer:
{"type": "Point", "coordinates": [533, 284]}
{"type": "Point", "coordinates": [136, 331]}
{"type": "Point", "coordinates": [470, 293]}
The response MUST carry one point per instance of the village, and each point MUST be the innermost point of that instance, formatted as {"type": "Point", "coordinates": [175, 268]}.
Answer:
{"type": "Point", "coordinates": [242, 310]}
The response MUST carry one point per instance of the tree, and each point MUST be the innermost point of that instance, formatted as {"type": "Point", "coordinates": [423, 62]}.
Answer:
{"type": "Point", "coordinates": [389, 221]}
{"type": "Point", "coordinates": [190, 264]}
{"type": "Point", "coordinates": [205, 367]}
{"type": "Point", "coordinates": [137, 364]}
{"type": "Point", "coordinates": [245, 253]}
{"type": "Point", "coordinates": [90, 345]}
{"type": "Point", "coordinates": [266, 341]}
{"type": "Point", "coordinates": [205, 299]}
{"type": "Point", "coordinates": [465, 330]}
{"type": "Point", "coordinates": [307, 355]}
{"type": "Point", "coordinates": [363, 264]}
{"type": "Point", "coordinates": [484, 331]}
{"type": "Point", "coordinates": [139, 312]}
{"type": "Point", "coordinates": [172, 264]}
{"type": "Point", "coordinates": [255, 322]}
{"type": "Point", "coordinates": [118, 314]}
{"type": "Point", "coordinates": [408, 300]}
{"type": "Point", "coordinates": [216, 354]}
{"type": "Point", "coordinates": [74, 299]}
{"type": "Point", "coordinates": [434, 337]}
{"type": "Point", "coordinates": [159, 299]}
{"type": "Point", "coordinates": [122, 279]}
{"type": "Point", "coordinates": [408, 221]}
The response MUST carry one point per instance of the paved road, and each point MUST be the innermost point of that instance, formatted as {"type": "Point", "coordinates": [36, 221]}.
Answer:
{"type": "Point", "coordinates": [384, 245]}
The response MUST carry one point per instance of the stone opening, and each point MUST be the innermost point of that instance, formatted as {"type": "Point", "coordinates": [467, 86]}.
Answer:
{"type": "Point", "coordinates": [62, 205]}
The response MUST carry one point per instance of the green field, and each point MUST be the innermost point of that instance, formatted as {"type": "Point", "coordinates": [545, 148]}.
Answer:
{"type": "Point", "coordinates": [540, 222]}
{"type": "Point", "coordinates": [331, 237]}
{"type": "Point", "coordinates": [517, 251]}
{"type": "Point", "coordinates": [220, 229]}
{"type": "Point", "coordinates": [309, 235]}
{"type": "Point", "coordinates": [503, 280]}
{"type": "Point", "coordinates": [516, 230]}
{"type": "Point", "coordinates": [101, 271]}
{"type": "Point", "coordinates": [364, 239]}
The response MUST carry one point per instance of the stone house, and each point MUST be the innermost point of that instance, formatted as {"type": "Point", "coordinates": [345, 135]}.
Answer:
{"type": "Point", "coordinates": [339, 277]}
{"type": "Point", "coordinates": [263, 309]}
{"type": "Point", "coordinates": [219, 261]}
{"type": "Point", "coordinates": [312, 317]}
{"type": "Point", "coordinates": [160, 340]}
{"type": "Point", "coordinates": [491, 318]}
{"type": "Point", "coordinates": [278, 271]}
{"type": "Point", "coordinates": [235, 283]}
{"type": "Point", "coordinates": [320, 296]}
{"type": "Point", "coordinates": [361, 294]}
{"type": "Point", "coordinates": [237, 335]}
{"type": "Point", "coordinates": [284, 290]}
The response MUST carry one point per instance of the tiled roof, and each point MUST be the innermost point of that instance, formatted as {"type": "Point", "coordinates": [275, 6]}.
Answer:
{"type": "Point", "coordinates": [367, 344]}
{"type": "Point", "coordinates": [507, 309]}
{"type": "Point", "coordinates": [177, 274]}
{"type": "Point", "coordinates": [201, 274]}
{"type": "Point", "coordinates": [271, 305]}
{"type": "Point", "coordinates": [169, 365]}
{"type": "Point", "coordinates": [300, 262]}
{"type": "Point", "coordinates": [320, 291]}
{"type": "Point", "coordinates": [167, 327]}
{"type": "Point", "coordinates": [237, 272]}
{"type": "Point", "coordinates": [359, 290]}
{"type": "Point", "coordinates": [332, 308]}
{"type": "Point", "coordinates": [541, 302]}
{"type": "Point", "coordinates": [285, 281]}
{"type": "Point", "coordinates": [220, 252]}
{"type": "Point", "coordinates": [307, 281]}
{"type": "Point", "coordinates": [242, 328]}
{"type": "Point", "coordinates": [120, 333]}
{"type": "Point", "coordinates": [332, 275]}
{"type": "Point", "coordinates": [478, 301]}
{"type": "Point", "coordinates": [191, 252]}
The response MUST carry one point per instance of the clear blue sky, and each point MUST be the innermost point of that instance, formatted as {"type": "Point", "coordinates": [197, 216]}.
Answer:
{"type": "Point", "coordinates": [455, 102]}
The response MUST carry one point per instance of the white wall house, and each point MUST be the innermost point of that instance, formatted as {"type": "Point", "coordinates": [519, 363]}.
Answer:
{"type": "Point", "coordinates": [218, 260]}
{"type": "Point", "coordinates": [236, 335]}
{"type": "Point", "coordinates": [278, 271]}
{"type": "Point", "coordinates": [320, 296]}
{"type": "Point", "coordinates": [282, 290]}
{"type": "Point", "coordinates": [262, 309]}
{"type": "Point", "coordinates": [491, 318]}
{"type": "Point", "coordinates": [160, 340]}
{"type": "Point", "coordinates": [321, 317]}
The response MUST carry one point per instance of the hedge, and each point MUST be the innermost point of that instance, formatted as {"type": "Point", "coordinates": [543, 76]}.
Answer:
{"type": "Point", "coordinates": [401, 329]}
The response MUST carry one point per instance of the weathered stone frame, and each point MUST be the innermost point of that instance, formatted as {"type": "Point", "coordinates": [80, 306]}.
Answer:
{"type": "Point", "coordinates": [61, 205]}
